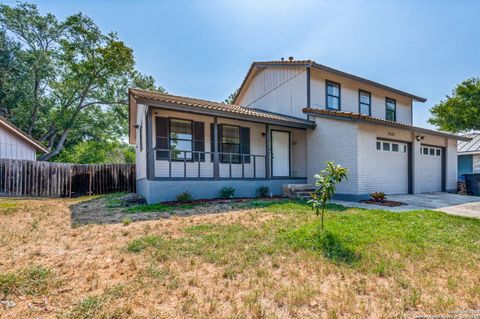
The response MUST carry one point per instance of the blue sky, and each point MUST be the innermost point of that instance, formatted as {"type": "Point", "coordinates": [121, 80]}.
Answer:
{"type": "Point", "coordinates": [204, 48]}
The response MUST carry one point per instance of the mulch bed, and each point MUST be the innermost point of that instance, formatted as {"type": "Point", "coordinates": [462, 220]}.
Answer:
{"type": "Point", "coordinates": [221, 200]}
{"type": "Point", "coordinates": [388, 203]}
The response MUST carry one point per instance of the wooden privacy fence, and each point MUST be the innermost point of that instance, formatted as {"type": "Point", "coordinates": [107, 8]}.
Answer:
{"type": "Point", "coordinates": [44, 179]}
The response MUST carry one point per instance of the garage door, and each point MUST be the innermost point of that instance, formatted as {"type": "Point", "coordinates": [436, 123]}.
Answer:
{"type": "Point", "coordinates": [391, 167]}
{"type": "Point", "coordinates": [431, 169]}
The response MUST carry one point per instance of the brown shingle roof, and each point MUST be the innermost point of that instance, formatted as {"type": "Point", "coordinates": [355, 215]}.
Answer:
{"type": "Point", "coordinates": [472, 146]}
{"type": "Point", "coordinates": [138, 94]}
{"type": "Point", "coordinates": [319, 66]}
{"type": "Point", "coordinates": [376, 120]}
{"type": "Point", "coordinates": [18, 132]}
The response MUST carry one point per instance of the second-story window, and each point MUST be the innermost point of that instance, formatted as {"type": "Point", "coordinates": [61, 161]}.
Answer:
{"type": "Point", "coordinates": [365, 102]}
{"type": "Point", "coordinates": [333, 95]}
{"type": "Point", "coordinates": [391, 109]}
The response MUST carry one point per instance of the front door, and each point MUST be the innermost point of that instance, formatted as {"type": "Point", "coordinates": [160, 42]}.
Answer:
{"type": "Point", "coordinates": [280, 154]}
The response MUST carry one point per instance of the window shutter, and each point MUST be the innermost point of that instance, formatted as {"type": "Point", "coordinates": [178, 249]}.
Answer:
{"type": "Point", "coordinates": [199, 141]}
{"type": "Point", "coordinates": [212, 137]}
{"type": "Point", "coordinates": [245, 143]}
{"type": "Point", "coordinates": [161, 128]}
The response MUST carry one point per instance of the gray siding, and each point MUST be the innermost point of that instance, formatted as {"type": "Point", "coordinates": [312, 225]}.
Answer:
{"type": "Point", "coordinates": [280, 90]}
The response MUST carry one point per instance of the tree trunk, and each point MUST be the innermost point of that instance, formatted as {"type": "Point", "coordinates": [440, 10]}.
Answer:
{"type": "Point", "coordinates": [58, 148]}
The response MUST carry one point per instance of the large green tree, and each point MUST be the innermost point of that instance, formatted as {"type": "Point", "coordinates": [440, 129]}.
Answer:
{"type": "Point", "coordinates": [459, 112]}
{"type": "Point", "coordinates": [68, 81]}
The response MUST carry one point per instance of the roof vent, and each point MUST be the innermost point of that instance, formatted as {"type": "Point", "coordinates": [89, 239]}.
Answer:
{"type": "Point", "coordinates": [290, 58]}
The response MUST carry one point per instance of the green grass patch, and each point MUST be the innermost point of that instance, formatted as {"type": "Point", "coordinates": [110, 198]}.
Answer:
{"type": "Point", "coordinates": [99, 306]}
{"type": "Point", "coordinates": [373, 241]}
{"type": "Point", "coordinates": [7, 208]}
{"type": "Point", "coordinates": [35, 280]}
{"type": "Point", "coordinates": [113, 200]}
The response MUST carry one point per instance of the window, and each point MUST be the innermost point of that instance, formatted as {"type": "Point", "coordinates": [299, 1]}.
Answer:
{"type": "Point", "coordinates": [230, 143]}
{"type": "Point", "coordinates": [425, 151]}
{"type": "Point", "coordinates": [395, 147]}
{"type": "Point", "coordinates": [438, 152]}
{"type": "Point", "coordinates": [386, 146]}
{"type": "Point", "coordinates": [364, 100]}
{"type": "Point", "coordinates": [181, 139]}
{"type": "Point", "coordinates": [391, 109]}
{"type": "Point", "coordinates": [404, 148]}
{"type": "Point", "coordinates": [379, 146]}
{"type": "Point", "coordinates": [333, 95]}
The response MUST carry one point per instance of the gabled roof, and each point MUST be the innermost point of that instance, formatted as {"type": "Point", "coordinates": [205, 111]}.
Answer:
{"type": "Point", "coordinates": [310, 63]}
{"type": "Point", "coordinates": [376, 120]}
{"type": "Point", "coordinates": [213, 108]}
{"type": "Point", "coordinates": [470, 147]}
{"type": "Point", "coordinates": [22, 135]}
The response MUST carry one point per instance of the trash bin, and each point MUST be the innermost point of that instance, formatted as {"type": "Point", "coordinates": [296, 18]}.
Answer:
{"type": "Point", "coordinates": [473, 184]}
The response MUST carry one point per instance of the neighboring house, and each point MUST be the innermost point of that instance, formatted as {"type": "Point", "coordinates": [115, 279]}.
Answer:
{"type": "Point", "coordinates": [290, 118]}
{"type": "Point", "coordinates": [469, 155]}
{"type": "Point", "coordinates": [15, 144]}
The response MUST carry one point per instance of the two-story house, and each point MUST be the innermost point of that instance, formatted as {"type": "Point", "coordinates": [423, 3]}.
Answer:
{"type": "Point", "coordinates": [288, 119]}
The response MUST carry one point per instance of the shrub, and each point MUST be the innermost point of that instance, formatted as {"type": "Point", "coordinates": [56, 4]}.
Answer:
{"type": "Point", "coordinates": [184, 197]}
{"type": "Point", "coordinates": [126, 221]}
{"type": "Point", "coordinates": [326, 182]}
{"type": "Point", "coordinates": [227, 192]}
{"type": "Point", "coordinates": [263, 191]}
{"type": "Point", "coordinates": [379, 197]}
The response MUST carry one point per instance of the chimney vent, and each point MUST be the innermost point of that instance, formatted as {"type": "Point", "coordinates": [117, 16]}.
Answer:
{"type": "Point", "coordinates": [290, 58]}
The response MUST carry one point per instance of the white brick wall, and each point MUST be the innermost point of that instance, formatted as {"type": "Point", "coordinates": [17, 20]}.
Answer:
{"type": "Point", "coordinates": [452, 165]}
{"type": "Point", "coordinates": [353, 145]}
{"type": "Point", "coordinates": [333, 140]}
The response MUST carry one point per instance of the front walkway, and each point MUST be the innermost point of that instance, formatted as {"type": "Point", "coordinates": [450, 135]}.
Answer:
{"type": "Point", "coordinates": [448, 203]}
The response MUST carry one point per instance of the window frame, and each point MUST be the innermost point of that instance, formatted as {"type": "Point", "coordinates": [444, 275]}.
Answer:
{"type": "Point", "coordinates": [180, 139]}
{"type": "Point", "coordinates": [234, 159]}
{"type": "Point", "coordinates": [339, 97]}
{"type": "Point", "coordinates": [360, 91]}
{"type": "Point", "coordinates": [388, 99]}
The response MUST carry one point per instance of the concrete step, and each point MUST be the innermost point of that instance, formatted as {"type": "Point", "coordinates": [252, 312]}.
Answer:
{"type": "Point", "coordinates": [303, 194]}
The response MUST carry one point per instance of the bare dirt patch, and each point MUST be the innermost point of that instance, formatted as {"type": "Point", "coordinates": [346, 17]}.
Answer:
{"type": "Point", "coordinates": [114, 209]}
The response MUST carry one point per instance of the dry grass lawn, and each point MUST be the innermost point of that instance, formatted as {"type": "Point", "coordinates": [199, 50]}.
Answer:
{"type": "Point", "coordinates": [264, 262]}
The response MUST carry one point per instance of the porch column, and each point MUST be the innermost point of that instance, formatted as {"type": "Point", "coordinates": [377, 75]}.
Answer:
{"type": "Point", "coordinates": [149, 149]}
{"type": "Point", "coordinates": [216, 158]}
{"type": "Point", "coordinates": [267, 152]}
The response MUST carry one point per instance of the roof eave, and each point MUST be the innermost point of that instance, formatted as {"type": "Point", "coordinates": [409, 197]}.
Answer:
{"type": "Point", "coordinates": [221, 113]}
{"type": "Point", "coordinates": [361, 118]}
{"type": "Point", "coordinates": [30, 140]}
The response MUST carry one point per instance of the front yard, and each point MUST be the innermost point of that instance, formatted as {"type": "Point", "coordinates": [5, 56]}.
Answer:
{"type": "Point", "coordinates": [250, 259]}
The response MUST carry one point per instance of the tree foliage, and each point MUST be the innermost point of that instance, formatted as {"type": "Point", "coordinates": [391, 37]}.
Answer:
{"type": "Point", "coordinates": [326, 182]}
{"type": "Point", "coordinates": [65, 82]}
{"type": "Point", "coordinates": [231, 97]}
{"type": "Point", "coordinates": [461, 111]}
{"type": "Point", "coordinates": [92, 152]}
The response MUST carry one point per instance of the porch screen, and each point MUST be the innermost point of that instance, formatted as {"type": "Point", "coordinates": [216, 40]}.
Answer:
{"type": "Point", "coordinates": [232, 139]}
{"type": "Point", "coordinates": [161, 130]}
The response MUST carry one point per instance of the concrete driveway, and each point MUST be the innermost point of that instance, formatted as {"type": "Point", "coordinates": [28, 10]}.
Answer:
{"type": "Point", "coordinates": [453, 204]}
{"type": "Point", "coordinates": [445, 202]}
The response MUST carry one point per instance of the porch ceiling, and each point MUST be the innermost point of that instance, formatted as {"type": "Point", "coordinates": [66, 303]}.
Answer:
{"type": "Point", "coordinates": [210, 108]}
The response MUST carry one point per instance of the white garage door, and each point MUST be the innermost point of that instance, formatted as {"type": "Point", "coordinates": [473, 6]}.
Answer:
{"type": "Point", "coordinates": [431, 169]}
{"type": "Point", "coordinates": [391, 167]}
